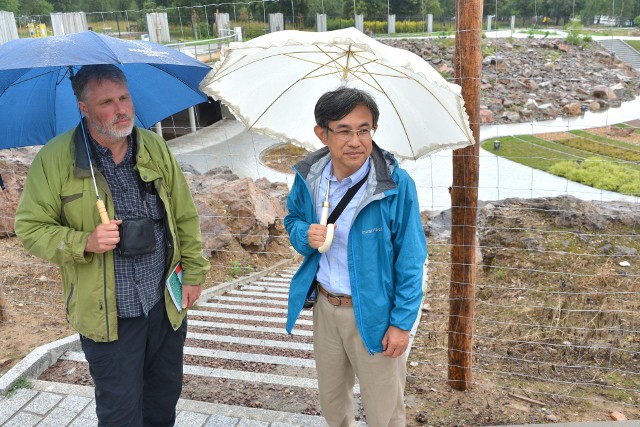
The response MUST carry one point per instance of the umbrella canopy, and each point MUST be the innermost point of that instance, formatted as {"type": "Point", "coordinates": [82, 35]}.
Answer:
{"type": "Point", "coordinates": [35, 91]}
{"type": "Point", "coordinates": [271, 84]}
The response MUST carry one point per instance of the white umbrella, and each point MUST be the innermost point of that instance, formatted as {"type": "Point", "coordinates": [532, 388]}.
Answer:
{"type": "Point", "coordinates": [272, 83]}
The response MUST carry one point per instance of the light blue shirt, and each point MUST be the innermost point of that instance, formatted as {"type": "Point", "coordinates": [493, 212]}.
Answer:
{"type": "Point", "coordinates": [333, 272]}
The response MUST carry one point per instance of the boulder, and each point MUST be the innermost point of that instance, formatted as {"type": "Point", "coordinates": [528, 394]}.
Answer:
{"type": "Point", "coordinates": [603, 92]}
{"type": "Point", "coordinates": [572, 109]}
{"type": "Point", "coordinates": [486, 116]}
{"type": "Point", "coordinates": [252, 216]}
{"type": "Point", "coordinates": [575, 71]}
{"type": "Point", "coordinates": [229, 207]}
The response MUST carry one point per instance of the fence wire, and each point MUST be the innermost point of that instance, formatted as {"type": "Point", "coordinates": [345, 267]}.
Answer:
{"type": "Point", "coordinates": [557, 301]}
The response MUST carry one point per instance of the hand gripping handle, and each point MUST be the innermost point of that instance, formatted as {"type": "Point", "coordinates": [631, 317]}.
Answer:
{"type": "Point", "coordinates": [102, 210]}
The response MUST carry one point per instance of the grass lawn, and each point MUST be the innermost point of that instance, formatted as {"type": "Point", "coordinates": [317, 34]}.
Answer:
{"type": "Point", "coordinates": [634, 44]}
{"type": "Point", "coordinates": [581, 156]}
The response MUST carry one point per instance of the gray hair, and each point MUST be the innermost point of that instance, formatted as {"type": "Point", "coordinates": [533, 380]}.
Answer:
{"type": "Point", "coordinates": [98, 73]}
{"type": "Point", "coordinates": [336, 104]}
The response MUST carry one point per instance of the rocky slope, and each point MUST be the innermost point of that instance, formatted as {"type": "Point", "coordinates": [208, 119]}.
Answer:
{"type": "Point", "coordinates": [538, 79]}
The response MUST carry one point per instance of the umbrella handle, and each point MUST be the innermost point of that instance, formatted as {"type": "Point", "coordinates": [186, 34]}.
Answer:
{"type": "Point", "coordinates": [323, 221]}
{"type": "Point", "coordinates": [104, 217]}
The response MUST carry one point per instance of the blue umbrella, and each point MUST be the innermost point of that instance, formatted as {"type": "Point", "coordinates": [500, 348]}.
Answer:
{"type": "Point", "coordinates": [35, 91]}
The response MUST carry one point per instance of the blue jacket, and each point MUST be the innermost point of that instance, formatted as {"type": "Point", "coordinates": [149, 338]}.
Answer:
{"type": "Point", "coordinates": [386, 245]}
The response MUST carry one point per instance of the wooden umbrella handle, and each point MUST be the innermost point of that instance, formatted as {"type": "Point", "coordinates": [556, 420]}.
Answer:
{"type": "Point", "coordinates": [104, 217]}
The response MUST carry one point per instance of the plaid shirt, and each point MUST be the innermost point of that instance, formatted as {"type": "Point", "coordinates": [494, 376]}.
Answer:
{"type": "Point", "coordinates": [139, 280]}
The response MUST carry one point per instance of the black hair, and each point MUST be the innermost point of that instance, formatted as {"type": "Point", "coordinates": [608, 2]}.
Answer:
{"type": "Point", "coordinates": [336, 104]}
{"type": "Point", "coordinates": [98, 73]}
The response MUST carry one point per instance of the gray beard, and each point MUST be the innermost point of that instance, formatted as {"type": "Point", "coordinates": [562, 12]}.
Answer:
{"type": "Point", "coordinates": [111, 133]}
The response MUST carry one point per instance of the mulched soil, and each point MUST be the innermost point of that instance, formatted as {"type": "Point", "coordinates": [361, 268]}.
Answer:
{"type": "Point", "coordinates": [249, 334]}
{"type": "Point", "coordinates": [283, 352]}
{"type": "Point", "coordinates": [249, 322]}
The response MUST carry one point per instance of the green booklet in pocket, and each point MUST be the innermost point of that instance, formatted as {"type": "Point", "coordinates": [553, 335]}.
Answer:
{"type": "Point", "coordinates": [174, 285]}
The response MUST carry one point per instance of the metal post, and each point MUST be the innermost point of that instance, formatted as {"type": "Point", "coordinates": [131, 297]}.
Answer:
{"type": "Point", "coordinates": [464, 198]}
{"type": "Point", "coordinates": [192, 119]}
{"type": "Point", "coordinates": [158, 128]}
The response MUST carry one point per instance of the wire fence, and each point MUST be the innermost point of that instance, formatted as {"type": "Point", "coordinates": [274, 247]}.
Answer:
{"type": "Point", "coordinates": [557, 305]}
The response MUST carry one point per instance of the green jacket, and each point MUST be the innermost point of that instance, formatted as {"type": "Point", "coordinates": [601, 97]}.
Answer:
{"type": "Point", "coordinates": [57, 212]}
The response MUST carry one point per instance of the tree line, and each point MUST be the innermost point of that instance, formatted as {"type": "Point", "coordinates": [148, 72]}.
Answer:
{"type": "Point", "coordinates": [556, 11]}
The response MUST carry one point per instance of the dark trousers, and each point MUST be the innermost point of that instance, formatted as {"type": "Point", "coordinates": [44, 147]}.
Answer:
{"type": "Point", "coordinates": [138, 378]}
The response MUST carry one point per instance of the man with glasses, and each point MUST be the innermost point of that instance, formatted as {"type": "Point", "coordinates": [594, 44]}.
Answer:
{"type": "Point", "coordinates": [367, 286]}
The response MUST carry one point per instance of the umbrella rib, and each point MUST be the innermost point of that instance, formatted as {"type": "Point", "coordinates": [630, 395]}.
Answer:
{"type": "Point", "coordinates": [394, 108]}
{"type": "Point", "coordinates": [437, 99]}
{"type": "Point", "coordinates": [281, 95]}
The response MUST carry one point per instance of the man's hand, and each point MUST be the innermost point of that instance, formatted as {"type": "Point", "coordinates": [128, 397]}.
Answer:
{"type": "Point", "coordinates": [190, 293]}
{"type": "Point", "coordinates": [104, 238]}
{"type": "Point", "coordinates": [395, 342]}
{"type": "Point", "coordinates": [317, 234]}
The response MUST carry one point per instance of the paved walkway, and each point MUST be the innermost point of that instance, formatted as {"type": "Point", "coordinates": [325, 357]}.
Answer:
{"type": "Point", "coordinates": [64, 405]}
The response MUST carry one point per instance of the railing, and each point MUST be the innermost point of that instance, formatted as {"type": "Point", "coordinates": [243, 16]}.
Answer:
{"type": "Point", "coordinates": [204, 50]}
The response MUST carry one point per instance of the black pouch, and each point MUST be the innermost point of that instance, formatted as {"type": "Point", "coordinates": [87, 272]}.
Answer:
{"type": "Point", "coordinates": [137, 237]}
{"type": "Point", "coordinates": [312, 295]}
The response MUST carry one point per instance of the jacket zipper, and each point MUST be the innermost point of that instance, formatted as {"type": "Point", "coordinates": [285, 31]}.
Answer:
{"type": "Point", "coordinates": [104, 286]}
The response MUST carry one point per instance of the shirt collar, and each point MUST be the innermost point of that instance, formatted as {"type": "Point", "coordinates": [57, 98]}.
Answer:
{"type": "Point", "coordinates": [103, 151]}
{"type": "Point", "coordinates": [327, 173]}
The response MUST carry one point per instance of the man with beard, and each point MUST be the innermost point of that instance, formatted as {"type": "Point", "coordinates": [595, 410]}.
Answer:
{"type": "Point", "coordinates": [114, 274]}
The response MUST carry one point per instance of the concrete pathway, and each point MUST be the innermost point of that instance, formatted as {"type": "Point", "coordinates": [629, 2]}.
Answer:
{"type": "Point", "coordinates": [64, 405]}
{"type": "Point", "coordinates": [228, 143]}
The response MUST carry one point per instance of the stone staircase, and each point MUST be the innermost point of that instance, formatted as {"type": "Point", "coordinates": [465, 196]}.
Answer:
{"type": "Point", "coordinates": [623, 51]}
{"type": "Point", "coordinates": [237, 354]}
{"type": "Point", "coordinates": [241, 369]}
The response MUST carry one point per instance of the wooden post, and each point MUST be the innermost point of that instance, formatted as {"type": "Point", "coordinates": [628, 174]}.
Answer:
{"type": "Point", "coordinates": [464, 197]}
{"type": "Point", "coordinates": [3, 307]}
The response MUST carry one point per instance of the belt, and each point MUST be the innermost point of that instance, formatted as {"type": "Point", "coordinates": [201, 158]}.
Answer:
{"type": "Point", "coordinates": [336, 300]}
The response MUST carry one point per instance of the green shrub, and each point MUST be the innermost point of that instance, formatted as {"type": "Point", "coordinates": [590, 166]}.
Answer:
{"type": "Point", "coordinates": [636, 21]}
{"type": "Point", "coordinates": [602, 174]}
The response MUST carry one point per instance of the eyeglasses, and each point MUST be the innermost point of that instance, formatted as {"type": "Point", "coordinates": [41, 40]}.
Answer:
{"type": "Point", "coordinates": [345, 135]}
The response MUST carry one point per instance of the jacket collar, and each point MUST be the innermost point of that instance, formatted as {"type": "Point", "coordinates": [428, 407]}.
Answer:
{"type": "Point", "coordinates": [383, 164]}
{"type": "Point", "coordinates": [81, 160]}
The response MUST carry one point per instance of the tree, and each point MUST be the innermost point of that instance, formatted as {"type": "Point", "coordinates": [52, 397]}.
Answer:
{"type": "Point", "coordinates": [405, 7]}
{"type": "Point", "coordinates": [35, 7]}
{"type": "Point", "coordinates": [558, 9]}
{"type": "Point", "coordinates": [371, 9]}
{"type": "Point", "coordinates": [525, 8]}
{"type": "Point", "coordinates": [625, 10]}
{"type": "Point", "coordinates": [333, 8]}
{"type": "Point", "coordinates": [448, 7]}
{"type": "Point", "coordinates": [593, 9]}
{"type": "Point", "coordinates": [498, 8]}
{"type": "Point", "coordinates": [10, 6]}
{"type": "Point", "coordinates": [431, 7]}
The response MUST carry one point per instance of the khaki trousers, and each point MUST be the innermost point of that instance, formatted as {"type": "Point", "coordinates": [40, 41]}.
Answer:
{"type": "Point", "coordinates": [341, 356]}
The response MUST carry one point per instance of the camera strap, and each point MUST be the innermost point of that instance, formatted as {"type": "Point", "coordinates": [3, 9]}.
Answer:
{"type": "Point", "coordinates": [345, 200]}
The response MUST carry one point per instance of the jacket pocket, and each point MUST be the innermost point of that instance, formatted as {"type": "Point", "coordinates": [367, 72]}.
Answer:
{"type": "Point", "coordinates": [68, 205]}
